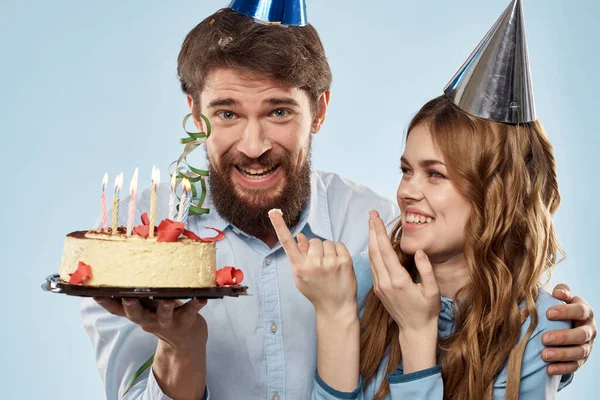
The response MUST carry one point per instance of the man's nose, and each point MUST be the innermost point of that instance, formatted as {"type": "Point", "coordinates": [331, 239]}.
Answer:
{"type": "Point", "coordinates": [254, 142]}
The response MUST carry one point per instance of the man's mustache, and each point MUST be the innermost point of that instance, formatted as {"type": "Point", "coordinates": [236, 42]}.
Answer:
{"type": "Point", "coordinates": [268, 159]}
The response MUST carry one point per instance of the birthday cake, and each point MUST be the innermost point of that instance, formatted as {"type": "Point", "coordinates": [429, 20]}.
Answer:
{"type": "Point", "coordinates": [172, 258]}
{"type": "Point", "coordinates": [149, 256]}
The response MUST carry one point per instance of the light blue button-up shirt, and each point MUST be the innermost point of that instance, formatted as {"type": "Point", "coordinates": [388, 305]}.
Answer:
{"type": "Point", "coordinates": [261, 346]}
{"type": "Point", "coordinates": [428, 384]}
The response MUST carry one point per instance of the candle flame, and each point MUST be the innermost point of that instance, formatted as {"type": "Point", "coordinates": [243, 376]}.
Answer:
{"type": "Point", "coordinates": [104, 181]}
{"type": "Point", "coordinates": [186, 185]}
{"type": "Point", "coordinates": [134, 181]}
{"type": "Point", "coordinates": [155, 177]}
{"type": "Point", "coordinates": [119, 182]}
{"type": "Point", "coordinates": [173, 180]}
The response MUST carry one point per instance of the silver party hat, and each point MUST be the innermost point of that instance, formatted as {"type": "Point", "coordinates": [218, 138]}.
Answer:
{"type": "Point", "coordinates": [495, 83]}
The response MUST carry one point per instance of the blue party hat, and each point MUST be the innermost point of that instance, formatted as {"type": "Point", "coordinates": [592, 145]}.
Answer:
{"type": "Point", "coordinates": [285, 12]}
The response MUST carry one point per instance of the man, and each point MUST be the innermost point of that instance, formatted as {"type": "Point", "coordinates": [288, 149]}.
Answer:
{"type": "Point", "coordinates": [265, 90]}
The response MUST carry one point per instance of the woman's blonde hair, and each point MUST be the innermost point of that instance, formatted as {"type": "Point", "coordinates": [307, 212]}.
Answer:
{"type": "Point", "coordinates": [508, 174]}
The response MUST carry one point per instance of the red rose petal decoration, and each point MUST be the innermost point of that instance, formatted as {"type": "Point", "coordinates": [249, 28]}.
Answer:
{"type": "Point", "coordinates": [229, 276]}
{"type": "Point", "coordinates": [192, 235]}
{"type": "Point", "coordinates": [82, 274]}
{"type": "Point", "coordinates": [142, 230]}
{"type": "Point", "coordinates": [145, 219]}
{"type": "Point", "coordinates": [238, 274]}
{"type": "Point", "coordinates": [169, 231]}
{"type": "Point", "coordinates": [220, 235]}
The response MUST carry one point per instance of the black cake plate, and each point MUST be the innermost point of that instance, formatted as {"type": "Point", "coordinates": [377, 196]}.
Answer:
{"type": "Point", "coordinates": [55, 285]}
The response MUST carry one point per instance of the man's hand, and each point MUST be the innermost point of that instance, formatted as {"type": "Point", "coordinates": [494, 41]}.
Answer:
{"type": "Point", "coordinates": [324, 274]}
{"type": "Point", "coordinates": [576, 343]}
{"type": "Point", "coordinates": [178, 325]}
{"type": "Point", "coordinates": [323, 271]}
{"type": "Point", "coordinates": [180, 361]}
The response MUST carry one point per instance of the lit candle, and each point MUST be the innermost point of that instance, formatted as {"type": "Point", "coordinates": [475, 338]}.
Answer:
{"type": "Point", "coordinates": [132, 193]}
{"type": "Point", "coordinates": [155, 183]}
{"type": "Point", "coordinates": [185, 201]}
{"type": "Point", "coordinates": [115, 207]}
{"type": "Point", "coordinates": [103, 198]}
{"type": "Point", "coordinates": [172, 196]}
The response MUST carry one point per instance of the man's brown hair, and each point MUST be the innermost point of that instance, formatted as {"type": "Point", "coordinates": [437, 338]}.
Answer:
{"type": "Point", "coordinates": [292, 55]}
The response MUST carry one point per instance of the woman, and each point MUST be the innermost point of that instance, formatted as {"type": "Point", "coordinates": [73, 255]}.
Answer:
{"type": "Point", "coordinates": [477, 199]}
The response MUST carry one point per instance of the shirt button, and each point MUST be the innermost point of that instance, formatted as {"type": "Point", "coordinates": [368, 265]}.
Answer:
{"type": "Point", "coordinates": [268, 260]}
{"type": "Point", "coordinates": [275, 397]}
{"type": "Point", "coordinates": [274, 328]}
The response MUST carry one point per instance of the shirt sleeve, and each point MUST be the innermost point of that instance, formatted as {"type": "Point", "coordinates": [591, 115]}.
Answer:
{"type": "Point", "coordinates": [536, 384]}
{"type": "Point", "coordinates": [420, 385]}
{"type": "Point", "coordinates": [121, 349]}
{"type": "Point", "coordinates": [322, 391]}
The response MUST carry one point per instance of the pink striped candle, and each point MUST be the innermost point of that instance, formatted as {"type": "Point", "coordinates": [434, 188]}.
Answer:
{"type": "Point", "coordinates": [132, 193]}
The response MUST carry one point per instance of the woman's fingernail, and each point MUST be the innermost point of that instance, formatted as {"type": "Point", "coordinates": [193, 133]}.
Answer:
{"type": "Point", "coordinates": [127, 302]}
{"type": "Point", "coordinates": [552, 314]}
{"type": "Point", "coordinates": [550, 338]}
{"type": "Point", "coordinates": [549, 355]}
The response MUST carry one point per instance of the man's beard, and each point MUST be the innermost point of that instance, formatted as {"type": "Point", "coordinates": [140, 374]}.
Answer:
{"type": "Point", "coordinates": [250, 212]}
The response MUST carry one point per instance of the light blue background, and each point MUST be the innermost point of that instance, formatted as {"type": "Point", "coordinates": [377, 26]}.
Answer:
{"type": "Point", "coordinates": [90, 87]}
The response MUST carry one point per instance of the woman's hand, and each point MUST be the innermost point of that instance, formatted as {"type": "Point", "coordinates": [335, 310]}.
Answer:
{"type": "Point", "coordinates": [415, 307]}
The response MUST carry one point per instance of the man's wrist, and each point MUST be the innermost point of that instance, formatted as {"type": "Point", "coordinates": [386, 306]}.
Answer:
{"type": "Point", "coordinates": [342, 316]}
{"type": "Point", "coordinates": [169, 350]}
{"type": "Point", "coordinates": [180, 372]}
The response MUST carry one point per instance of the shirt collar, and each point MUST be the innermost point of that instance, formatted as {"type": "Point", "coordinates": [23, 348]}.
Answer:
{"type": "Point", "coordinates": [315, 214]}
{"type": "Point", "coordinates": [317, 210]}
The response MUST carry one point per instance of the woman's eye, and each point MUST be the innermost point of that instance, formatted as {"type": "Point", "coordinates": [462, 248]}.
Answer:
{"type": "Point", "coordinates": [405, 170]}
{"type": "Point", "coordinates": [435, 174]}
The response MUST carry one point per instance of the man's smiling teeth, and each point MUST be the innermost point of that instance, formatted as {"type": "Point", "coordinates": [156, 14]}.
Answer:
{"type": "Point", "coordinates": [255, 172]}
{"type": "Point", "coordinates": [418, 219]}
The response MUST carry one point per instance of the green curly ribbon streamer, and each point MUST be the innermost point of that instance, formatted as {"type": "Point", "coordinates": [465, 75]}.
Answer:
{"type": "Point", "coordinates": [192, 174]}
{"type": "Point", "coordinates": [137, 374]}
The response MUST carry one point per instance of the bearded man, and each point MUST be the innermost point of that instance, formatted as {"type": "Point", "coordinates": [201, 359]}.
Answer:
{"type": "Point", "coordinates": [265, 89]}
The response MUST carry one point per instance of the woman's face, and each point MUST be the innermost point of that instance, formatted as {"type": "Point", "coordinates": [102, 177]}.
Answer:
{"type": "Point", "coordinates": [434, 213]}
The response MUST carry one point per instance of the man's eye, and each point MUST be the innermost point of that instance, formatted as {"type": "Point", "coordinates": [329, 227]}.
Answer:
{"type": "Point", "coordinates": [228, 115]}
{"type": "Point", "coordinates": [281, 113]}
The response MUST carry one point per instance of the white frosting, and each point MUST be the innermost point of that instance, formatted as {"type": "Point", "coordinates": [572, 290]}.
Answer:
{"type": "Point", "coordinates": [138, 262]}
{"type": "Point", "coordinates": [275, 210]}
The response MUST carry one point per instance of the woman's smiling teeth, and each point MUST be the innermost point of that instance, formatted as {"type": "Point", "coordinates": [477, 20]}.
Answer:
{"type": "Point", "coordinates": [418, 219]}
{"type": "Point", "coordinates": [256, 173]}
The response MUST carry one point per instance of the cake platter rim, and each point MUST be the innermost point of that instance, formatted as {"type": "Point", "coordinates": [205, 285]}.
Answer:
{"type": "Point", "coordinates": [53, 284]}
